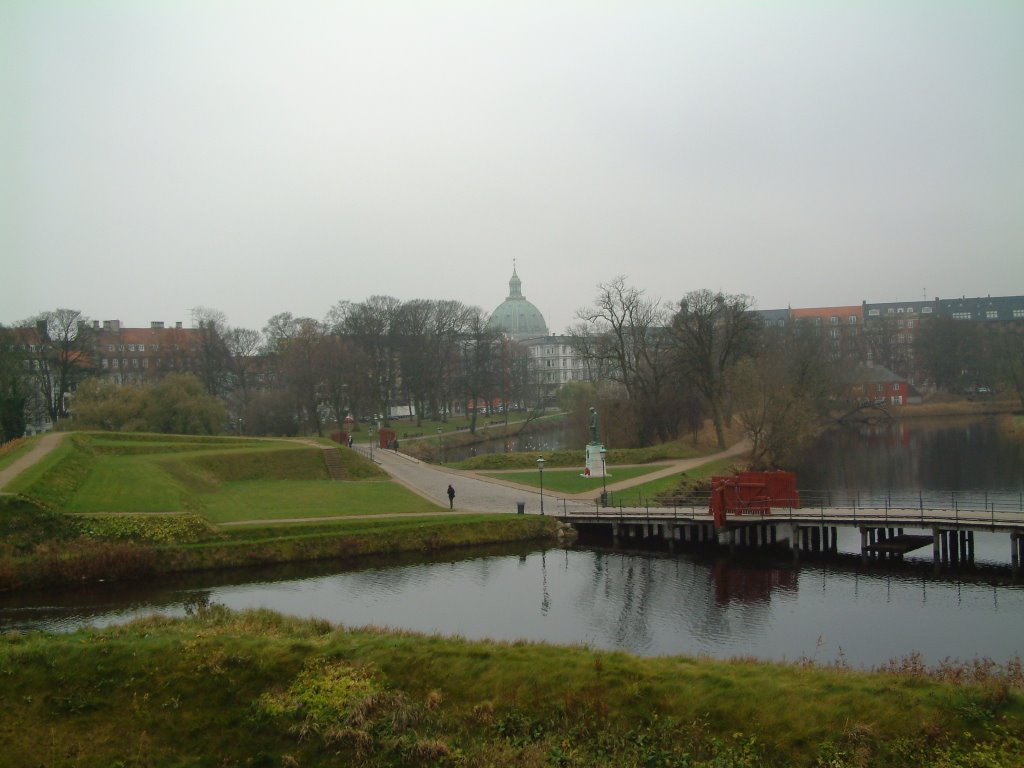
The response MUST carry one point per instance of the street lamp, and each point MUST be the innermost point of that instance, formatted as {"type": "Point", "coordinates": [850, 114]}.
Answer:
{"type": "Point", "coordinates": [604, 476]}
{"type": "Point", "coordinates": [540, 467]}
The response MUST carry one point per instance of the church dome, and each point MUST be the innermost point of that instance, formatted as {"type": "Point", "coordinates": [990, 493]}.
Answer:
{"type": "Point", "coordinates": [516, 317]}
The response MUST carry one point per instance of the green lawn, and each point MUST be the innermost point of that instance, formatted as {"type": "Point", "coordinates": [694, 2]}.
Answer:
{"type": "Point", "coordinates": [643, 494]}
{"type": "Point", "coordinates": [128, 484]}
{"type": "Point", "coordinates": [571, 481]}
{"type": "Point", "coordinates": [269, 499]}
{"type": "Point", "coordinates": [222, 480]}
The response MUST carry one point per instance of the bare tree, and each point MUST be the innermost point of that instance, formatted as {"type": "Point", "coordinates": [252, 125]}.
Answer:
{"type": "Point", "coordinates": [59, 346]}
{"type": "Point", "coordinates": [782, 393]}
{"type": "Point", "coordinates": [624, 334]}
{"type": "Point", "coordinates": [243, 346]}
{"type": "Point", "coordinates": [481, 357]}
{"type": "Point", "coordinates": [712, 332]}
{"type": "Point", "coordinates": [371, 325]}
{"type": "Point", "coordinates": [212, 354]}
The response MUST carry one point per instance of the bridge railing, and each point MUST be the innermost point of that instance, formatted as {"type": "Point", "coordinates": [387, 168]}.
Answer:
{"type": "Point", "coordinates": [927, 508]}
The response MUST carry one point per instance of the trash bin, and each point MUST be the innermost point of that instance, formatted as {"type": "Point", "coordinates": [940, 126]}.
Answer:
{"type": "Point", "coordinates": [521, 507]}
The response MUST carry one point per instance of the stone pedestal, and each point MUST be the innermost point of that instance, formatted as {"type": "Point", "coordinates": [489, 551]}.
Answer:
{"type": "Point", "coordinates": [597, 469]}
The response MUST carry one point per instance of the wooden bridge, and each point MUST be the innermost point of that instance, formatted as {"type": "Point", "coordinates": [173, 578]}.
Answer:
{"type": "Point", "coordinates": [949, 520]}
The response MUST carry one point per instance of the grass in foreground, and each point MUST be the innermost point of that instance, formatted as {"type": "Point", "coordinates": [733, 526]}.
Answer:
{"type": "Point", "coordinates": [256, 688]}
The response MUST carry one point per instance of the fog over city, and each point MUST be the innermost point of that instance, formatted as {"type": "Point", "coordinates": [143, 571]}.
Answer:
{"type": "Point", "coordinates": [262, 156]}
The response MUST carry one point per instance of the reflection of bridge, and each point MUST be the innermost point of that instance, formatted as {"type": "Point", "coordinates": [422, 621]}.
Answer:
{"type": "Point", "coordinates": [868, 413]}
{"type": "Point", "coordinates": [951, 520]}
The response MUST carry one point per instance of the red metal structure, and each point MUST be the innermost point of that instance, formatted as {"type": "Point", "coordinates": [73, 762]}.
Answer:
{"type": "Point", "coordinates": [386, 437]}
{"type": "Point", "coordinates": [752, 493]}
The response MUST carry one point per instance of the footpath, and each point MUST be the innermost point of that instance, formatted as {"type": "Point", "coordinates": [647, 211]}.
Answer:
{"type": "Point", "coordinates": [43, 446]}
{"type": "Point", "coordinates": [491, 494]}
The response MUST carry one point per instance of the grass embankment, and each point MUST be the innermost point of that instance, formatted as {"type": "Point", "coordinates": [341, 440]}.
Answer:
{"type": "Point", "coordinates": [255, 688]}
{"type": "Point", "coordinates": [132, 506]}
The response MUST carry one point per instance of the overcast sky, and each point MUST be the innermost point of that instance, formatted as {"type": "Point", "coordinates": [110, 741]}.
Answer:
{"type": "Point", "coordinates": [262, 156]}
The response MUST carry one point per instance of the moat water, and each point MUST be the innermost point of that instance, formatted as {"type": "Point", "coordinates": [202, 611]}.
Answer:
{"type": "Point", "coordinates": [647, 603]}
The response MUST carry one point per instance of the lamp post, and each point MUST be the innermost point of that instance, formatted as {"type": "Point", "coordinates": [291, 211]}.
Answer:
{"type": "Point", "coordinates": [604, 476]}
{"type": "Point", "coordinates": [371, 443]}
{"type": "Point", "coordinates": [540, 468]}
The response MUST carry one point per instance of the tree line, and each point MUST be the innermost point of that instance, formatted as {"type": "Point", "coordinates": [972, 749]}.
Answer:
{"type": "Point", "coordinates": [665, 368]}
{"type": "Point", "coordinates": [296, 375]}
{"type": "Point", "coordinates": [659, 369]}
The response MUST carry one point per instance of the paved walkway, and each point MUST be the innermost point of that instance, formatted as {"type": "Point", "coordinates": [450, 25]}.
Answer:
{"type": "Point", "coordinates": [43, 446]}
{"type": "Point", "coordinates": [480, 494]}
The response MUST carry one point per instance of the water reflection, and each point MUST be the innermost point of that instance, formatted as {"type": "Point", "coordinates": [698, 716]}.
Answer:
{"type": "Point", "coordinates": [953, 454]}
{"type": "Point", "coordinates": [644, 604]}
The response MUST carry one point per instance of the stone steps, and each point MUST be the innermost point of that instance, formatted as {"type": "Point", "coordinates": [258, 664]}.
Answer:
{"type": "Point", "coordinates": [332, 458]}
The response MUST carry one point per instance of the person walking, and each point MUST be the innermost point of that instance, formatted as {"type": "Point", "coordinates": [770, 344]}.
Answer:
{"type": "Point", "coordinates": [451, 497]}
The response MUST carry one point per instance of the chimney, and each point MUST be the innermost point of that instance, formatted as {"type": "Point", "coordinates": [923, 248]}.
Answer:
{"type": "Point", "coordinates": [96, 324]}
{"type": "Point", "coordinates": [114, 326]}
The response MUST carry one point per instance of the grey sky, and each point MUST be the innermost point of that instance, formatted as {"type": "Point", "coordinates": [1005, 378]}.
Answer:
{"type": "Point", "coordinates": [257, 156]}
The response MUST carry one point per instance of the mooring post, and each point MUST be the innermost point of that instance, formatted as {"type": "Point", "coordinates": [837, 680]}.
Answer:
{"type": "Point", "coordinates": [794, 541]}
{"type": "Point", "coordinates": [935, 547]}
{"type": "Point", "coordinates": [864, 544]}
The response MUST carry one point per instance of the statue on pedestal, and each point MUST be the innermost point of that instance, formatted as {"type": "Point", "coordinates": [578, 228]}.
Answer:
{"type": "Point", "coordinates": [594, 437]}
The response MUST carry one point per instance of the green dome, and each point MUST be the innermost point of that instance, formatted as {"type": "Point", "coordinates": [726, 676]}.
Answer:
{"type": "Point", "coordinates": [516, 317]}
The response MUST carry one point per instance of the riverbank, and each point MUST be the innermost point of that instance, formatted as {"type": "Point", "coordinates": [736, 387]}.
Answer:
{"type": "Point", "coordinates": [231, 689]}
{"type": "Point", "coordinates": [942, 405]}
{"type": "Point", "coordinates": [41, 548]}
{"type": "Point", "coordinates": [102, 506]}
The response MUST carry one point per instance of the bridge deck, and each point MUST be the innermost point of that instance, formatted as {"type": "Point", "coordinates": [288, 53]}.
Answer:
{"type": "Point", "coordinates": [991, 519]}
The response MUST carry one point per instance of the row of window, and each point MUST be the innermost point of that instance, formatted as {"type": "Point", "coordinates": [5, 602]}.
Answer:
{"type": "Point", "coordinates": [132, 347]}
{"type": "Point", "coordinates": [123, 363]}
{"type": "Point", "coordinates": [900, 311]}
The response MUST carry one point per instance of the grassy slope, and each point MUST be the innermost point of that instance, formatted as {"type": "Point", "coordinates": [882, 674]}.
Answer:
{"type": "Point", "coordinates": [142, 505]}
{"type": "Point", "coordinates": [259, 689]}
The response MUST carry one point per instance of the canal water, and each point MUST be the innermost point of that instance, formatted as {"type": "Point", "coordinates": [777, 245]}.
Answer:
{"type": "Point", "coordinates": [642, 603]}
{"type": "Point", "coordinates": [648, 603]}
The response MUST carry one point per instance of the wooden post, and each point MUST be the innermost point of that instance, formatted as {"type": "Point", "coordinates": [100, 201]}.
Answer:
{"type": "Point", "coordinates": [864, 545]}
{"type": "Point", "coordinates": [935, 547]}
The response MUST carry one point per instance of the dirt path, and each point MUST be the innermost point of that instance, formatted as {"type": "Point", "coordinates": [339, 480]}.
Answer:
{"type": "Point", "coordinates": [43, 446]}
